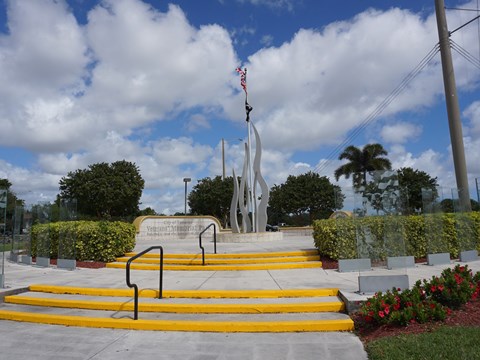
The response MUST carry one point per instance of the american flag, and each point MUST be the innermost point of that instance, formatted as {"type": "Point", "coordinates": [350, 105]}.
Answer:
{"type": "Point", "coordinates": [243, 78]}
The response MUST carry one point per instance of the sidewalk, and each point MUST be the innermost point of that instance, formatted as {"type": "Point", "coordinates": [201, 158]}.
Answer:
{"type": "Point", "coordinates": [23, 340]}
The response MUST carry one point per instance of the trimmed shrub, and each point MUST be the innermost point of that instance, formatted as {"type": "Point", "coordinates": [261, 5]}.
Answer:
{"type": "Point", "coordinates": [340, 238]}
{"type": "Point", "coordinates": [94, 240]}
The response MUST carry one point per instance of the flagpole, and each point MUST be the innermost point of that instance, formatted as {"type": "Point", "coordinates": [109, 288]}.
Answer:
{"type": "Point", "coordinates": [248, 108]}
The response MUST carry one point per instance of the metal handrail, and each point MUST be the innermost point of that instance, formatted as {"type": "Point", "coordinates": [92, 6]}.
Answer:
{"type": "Point", "coordinates": [135, 287]}
{"type": "Point", "coordinates": [214, 241]}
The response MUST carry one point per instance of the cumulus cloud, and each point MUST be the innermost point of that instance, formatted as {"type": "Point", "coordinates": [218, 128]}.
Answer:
{"type": "Point", "coordinates": [400, 132]}
{"type": "Point", "coordinates": [80, 94]}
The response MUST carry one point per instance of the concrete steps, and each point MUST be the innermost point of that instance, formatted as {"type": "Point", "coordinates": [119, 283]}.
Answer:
{"type": "Point", "coordinates": [194, 310]}
{"type": "Point", "coordinates": [224, 262]}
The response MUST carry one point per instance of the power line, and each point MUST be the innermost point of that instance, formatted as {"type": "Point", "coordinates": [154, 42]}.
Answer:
{"type": "Point", "coordinates": [381, 107]}
{"type": "Point", "coordinates": [465, 54]}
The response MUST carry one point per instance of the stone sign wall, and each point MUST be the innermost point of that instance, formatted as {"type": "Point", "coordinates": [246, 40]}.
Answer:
{"type": "Point", "coordinates": [170, 228]}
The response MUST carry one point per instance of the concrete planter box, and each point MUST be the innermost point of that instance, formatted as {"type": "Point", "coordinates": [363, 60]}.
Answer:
{"type": "Point", "coordinates": [468, 255]}
{"type": "Point", "coordinates": [399, 262]}
{"type": "Point", "coordinates": [43, 261]}
{"type": "Point", "coordinates": [438, 259]}
{"type": "Point", "coordinates": [25, 259]}
{"type": "Point", "coordinates": [374, 283]}
{"type": "Point", "coordinates": [66, 264]}
{"type": "Point", "coordinates": [349, 265]}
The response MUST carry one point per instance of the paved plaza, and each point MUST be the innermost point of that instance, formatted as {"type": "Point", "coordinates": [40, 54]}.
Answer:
{"type": "Point", "coordinates": [25, 340]}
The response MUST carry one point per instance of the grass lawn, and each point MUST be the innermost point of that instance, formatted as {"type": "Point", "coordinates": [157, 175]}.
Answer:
{"type": "Point", "coordinates": [446, 342]}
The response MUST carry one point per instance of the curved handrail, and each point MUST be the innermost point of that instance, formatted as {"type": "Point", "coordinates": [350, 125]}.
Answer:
{"type": "Point", "coordinates": [214, 241]}
{"type": "Point", "coordinates": [135, 287]}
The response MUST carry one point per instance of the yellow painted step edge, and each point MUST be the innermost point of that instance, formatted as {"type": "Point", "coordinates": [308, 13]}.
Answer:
{"type": "Point", "coordinates": [275, 266]}
{"type": "Point", "coordinates": [198, 294]}
{"type": "Point", "coordinates": [165, 325]}
{"type": "Point", "coordinates": [308, 307]}
{"type": "Point", "coordinates": [230, 255]}
{"type": "Point", "coordinates": [198, 261]}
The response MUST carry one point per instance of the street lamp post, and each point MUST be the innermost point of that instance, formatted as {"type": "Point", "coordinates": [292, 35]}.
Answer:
{"type": "Point", "coordinates": [186, 180]}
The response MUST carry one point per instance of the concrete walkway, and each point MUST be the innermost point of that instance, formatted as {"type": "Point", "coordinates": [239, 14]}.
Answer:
{"type": "Point", "coordinates": [24, 340]}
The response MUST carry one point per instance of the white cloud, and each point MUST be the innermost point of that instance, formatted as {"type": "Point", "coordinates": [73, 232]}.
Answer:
{"type": "Point", "coordinates": [75, 95]}
{"type": "Point", "coordinates": [400, 132]}
{"type": "Point", "coordinates": [322, 84]}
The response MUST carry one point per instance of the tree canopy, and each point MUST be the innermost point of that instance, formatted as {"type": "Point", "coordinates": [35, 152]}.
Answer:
{"type": "Point", "coordinates": [212, 197]}
{"type": "Point", "coordinates": [12, 202]}
{"type": "Point", "coordinates": [362, 161]}
{"type": "Point", "coordinates": [105, 190]}
{"type": "Point", "coordinates": [308, 193]}
{"type": "Point", "coordinates": [412, 182]}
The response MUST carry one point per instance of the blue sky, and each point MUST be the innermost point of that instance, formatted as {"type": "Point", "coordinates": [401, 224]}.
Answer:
{"type": "Point", "coordinates": [154, 82]}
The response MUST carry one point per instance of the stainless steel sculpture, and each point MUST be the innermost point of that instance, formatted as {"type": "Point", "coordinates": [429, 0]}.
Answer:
{"type": "Point", "coordinates": [245, 194]}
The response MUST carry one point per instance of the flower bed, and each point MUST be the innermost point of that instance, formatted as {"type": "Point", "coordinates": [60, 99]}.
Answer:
{"type": "Point", "coordinates": [428, 300]}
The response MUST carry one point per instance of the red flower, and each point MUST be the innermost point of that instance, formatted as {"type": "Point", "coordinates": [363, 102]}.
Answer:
{"type": "Point", "coordinates": [440, 287]}
{"type": "Point", "coordinates": [458, 279]}
{"type": "Point", "coordinates": [396, 306]}
{"type": "Point", "coordinates": [381, 314]}
{"type": "Point", "coordinates": [368, 318]}
{"type": "Point", "coordinates": [433, 288]}
{"type": "Point", "coordinates": [432, 306]}
{"type": "Point", "coordinates": [386, 310]}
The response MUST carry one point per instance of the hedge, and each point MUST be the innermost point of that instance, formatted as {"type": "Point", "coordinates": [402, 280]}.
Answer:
{"type": "Point", "coordinates": [380, 236]}
{"type": "Point", "coordinates": [83, 240]}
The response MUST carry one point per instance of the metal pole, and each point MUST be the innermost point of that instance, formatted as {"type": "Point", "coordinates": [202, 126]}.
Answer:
{"type": "Point", "coordinates": [223, 159]}
{"type": "Point", "coordinates": [453, 109]}
{"type": "Point", "coordinates": [186, 180]}
{"type": "Point", "coordinates": [250, 180]}
{"type": "Point", "coordinates": [2, 277]}
{"type": "Point", "coordinates": [478, 192]}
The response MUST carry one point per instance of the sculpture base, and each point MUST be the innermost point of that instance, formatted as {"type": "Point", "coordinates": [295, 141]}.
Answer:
{"type": "Point", "coordinates": [249, 237]}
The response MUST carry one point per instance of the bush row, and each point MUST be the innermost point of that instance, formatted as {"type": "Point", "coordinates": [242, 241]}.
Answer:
{"type": "Point", "coordinates": [381, 236]}
{"type": "Point", "coordinates": [83, 240]}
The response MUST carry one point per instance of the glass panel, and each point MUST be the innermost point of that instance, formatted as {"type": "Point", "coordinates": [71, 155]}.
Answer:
{"type": "Point", "coordinates": [42, 215]}
{"type": "Point", "coordinates": [3, 233]}
{"type": "Point", "coordinates": [25, 249]}
{"type": "Point", "coordinates": [466, 232]}
{"type": "Point", "coordinates": [344, 222]}
{"type": "Point", "coordinates": [67, 234]}
{"type": "Point", "coordinates": [17, 241]}
{"type": "Point", "coordinates": [379, 224]}
{"type": "Point", "coordinates": [433, 205]}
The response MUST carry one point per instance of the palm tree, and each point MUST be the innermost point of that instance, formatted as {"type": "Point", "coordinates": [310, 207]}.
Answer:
{"type": "Point", "coordinates": [361, 162]}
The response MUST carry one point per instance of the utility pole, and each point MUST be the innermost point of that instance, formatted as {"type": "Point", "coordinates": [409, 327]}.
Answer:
{"type": "Point", "coordinates": [223, 159]}
{"type": "Point", "coordinates": [453, 109]}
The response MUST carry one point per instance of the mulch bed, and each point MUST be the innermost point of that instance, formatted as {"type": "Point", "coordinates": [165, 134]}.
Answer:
{"type": "Point", "coordinates": [81, 264]}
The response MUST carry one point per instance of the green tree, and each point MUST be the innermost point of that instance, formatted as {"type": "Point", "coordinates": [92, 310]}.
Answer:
{"type": "Point", "coordinates": [105, 191]}
{"type": "Point", "coordinates": [448, 206]}
{"type": "Point", "coordinates": [147, 211]}
{"type": "Point", "coordinates": [12, 202]}
{"type": "Point", "coordinates": [412, 182]}
{"type": "Point", "coordinates": [362, 161]}
{"type": "Point", "coordinates": [307, 194]}
{"type": "Point", "coordinates": [212, 197]}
